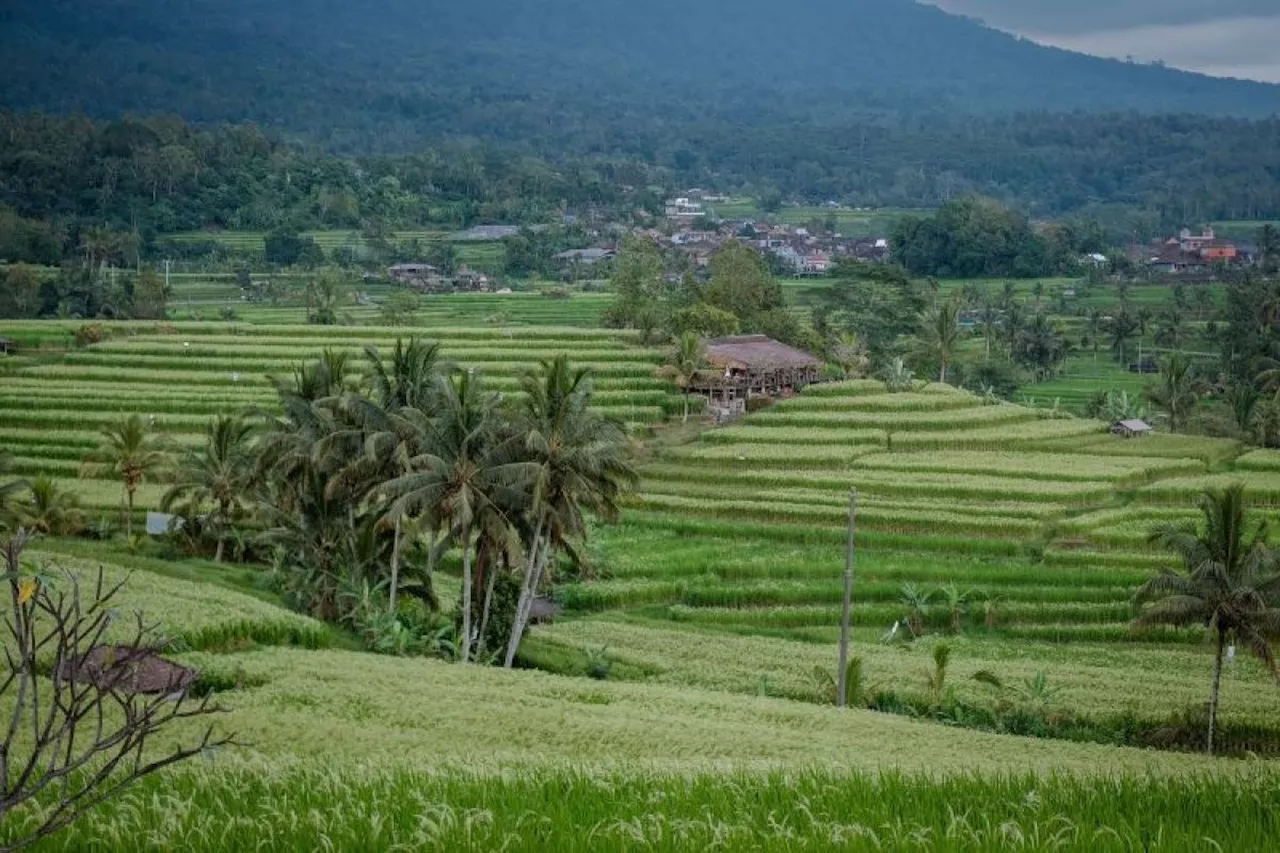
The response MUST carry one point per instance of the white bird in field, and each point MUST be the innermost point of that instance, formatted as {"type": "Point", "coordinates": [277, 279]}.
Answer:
{"type": "Point", "coordinates": [893, 632]}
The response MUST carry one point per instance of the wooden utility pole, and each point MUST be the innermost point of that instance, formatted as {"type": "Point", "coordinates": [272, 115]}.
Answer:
{"type": "Point", "coordinates": [842, 674]}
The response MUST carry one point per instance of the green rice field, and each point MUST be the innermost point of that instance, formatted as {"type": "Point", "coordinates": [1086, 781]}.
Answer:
{"type": "Point", "coordinates": [179, 375]}
{"type": "Point", "coordinates": [1025, 533]}
{"type": "Point", "coordinates": [713, 605]}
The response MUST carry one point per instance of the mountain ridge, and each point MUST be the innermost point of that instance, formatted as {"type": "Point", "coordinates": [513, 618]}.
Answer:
{"type": "Point", "coordinates": [390, 72]}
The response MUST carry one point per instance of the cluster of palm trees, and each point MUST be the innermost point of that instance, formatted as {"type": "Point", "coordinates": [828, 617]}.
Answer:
{"type": "Point", "coordinates": [1030, 340]}
{"type": "Point", "coordinates": [360, 486]}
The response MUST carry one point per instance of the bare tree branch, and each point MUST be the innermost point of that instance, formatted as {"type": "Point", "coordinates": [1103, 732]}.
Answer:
{"type": "Point", "coordinates": [79, 733]}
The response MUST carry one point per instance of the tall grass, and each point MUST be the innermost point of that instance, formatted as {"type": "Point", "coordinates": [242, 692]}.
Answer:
{"type": "Point", "coordinates": [311, 806]}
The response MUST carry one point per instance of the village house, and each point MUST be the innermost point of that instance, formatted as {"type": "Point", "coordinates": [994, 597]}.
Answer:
{"type": "Point", "coordinates": [746, 366]}
{"type": "Point", "coordinates": [425, 278]}
{"type": "Point", "coordinates": [684, 208]}
{"type": "Point", "coordinates": [585, 257]}
{"type": "Point", "coordinates": [409, 273]}
{"type": "Point", "coordinates": [1190, 254]}
{"type": "Point", "coordinates": [473, 281]}
{"type": "Point", "coordinates": [421, 277]}
{"type": "Point", "coordinates": [817, 263]}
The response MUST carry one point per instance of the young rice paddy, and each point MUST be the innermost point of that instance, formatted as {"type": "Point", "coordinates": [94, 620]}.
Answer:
{"type": "Point", "coordinates": [715, 603]}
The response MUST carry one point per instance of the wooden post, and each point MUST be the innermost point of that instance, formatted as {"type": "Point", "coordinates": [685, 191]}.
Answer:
{"type": "Point", "coordinates": [843, 672]}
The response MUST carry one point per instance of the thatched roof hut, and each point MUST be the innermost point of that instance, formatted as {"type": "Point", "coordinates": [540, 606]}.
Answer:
{"type": "Point", "coordinates": [129, 669]}
{"type": "Point", "coordinates": [754, 365]}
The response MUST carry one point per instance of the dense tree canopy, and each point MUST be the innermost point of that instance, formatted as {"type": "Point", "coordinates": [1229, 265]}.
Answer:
{"type": "Point", "coordinates": [979, 238]}
{"type": "Point", "coordinates": [147, 178]}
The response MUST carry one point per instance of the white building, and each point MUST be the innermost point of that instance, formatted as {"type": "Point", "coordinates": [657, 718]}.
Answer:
{"type": "Point", "coordinates": [683, 208]}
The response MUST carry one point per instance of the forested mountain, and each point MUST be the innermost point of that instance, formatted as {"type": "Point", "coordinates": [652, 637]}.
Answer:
{"type": "Point", "coordinates": [593, 74]}
{"type": "Point", "coordinates": [387, 113]}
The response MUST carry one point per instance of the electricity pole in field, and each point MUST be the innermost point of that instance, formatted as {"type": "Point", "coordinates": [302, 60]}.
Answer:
{"type": "Point", "coordinates": [842, 675]}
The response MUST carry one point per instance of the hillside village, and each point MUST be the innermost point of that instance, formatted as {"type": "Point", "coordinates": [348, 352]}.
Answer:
{"type": "Point", "coordinates": [690, 233]}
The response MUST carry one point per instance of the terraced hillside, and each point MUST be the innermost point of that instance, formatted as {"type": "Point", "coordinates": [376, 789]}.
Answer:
{"type": "Point", "coordinates": [338, 754]}
{"type": "Point", "coordinates": [1006, 529]}
{"type": "Point", "coordinates": [180, 375]}
{"type": "Point", "coordinates": [1019, 536]}
{"type": "Point", "coordinates": [198, 296]}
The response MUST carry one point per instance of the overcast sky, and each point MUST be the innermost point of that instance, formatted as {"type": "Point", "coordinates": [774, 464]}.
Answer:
{"type": "Point", "coordinates": [1229, 38]}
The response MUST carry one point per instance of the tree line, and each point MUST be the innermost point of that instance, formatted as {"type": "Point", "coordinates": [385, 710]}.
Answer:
{"type": "Point", "coordinates": [150, 177]}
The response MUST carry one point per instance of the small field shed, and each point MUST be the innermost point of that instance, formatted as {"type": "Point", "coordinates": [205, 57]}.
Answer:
{"type": "Point", "coordinates": [1133, 428]}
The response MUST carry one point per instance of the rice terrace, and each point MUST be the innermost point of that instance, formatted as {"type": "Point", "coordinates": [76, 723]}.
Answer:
{"type": "Point", "coordinates": [529, 427]}
{"type": "Point", "coordinates": [1011, 537]}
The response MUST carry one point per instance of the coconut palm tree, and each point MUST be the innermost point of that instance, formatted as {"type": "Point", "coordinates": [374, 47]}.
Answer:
{"type": "Point", "coordinates": [941, 333]}
{"type": "Point", "coordinates": [1094, 323]}
{"type": "Point", "coordinates": [131, 452]}
{"type": "Point", "coordinates": [218, 475]}
{"type": "Point", "coordinates": [375, 440]}
{"type": "Point", "coordinates": [848, 351]}
{"type": "Point", "coordinates": [582, 466]}
{"type": "Point", "coordinates": [1228, 583]}
{"type": "Point", "coordinates": [408, 381]}
{"type": "Point", "coordinates": [50, 510]}
{"type": "Point", "coordinates": [1269, 249]}
{"type": "Point", "coordinates": [1172, 329]}
{"type": "Point", "coordinates": [1008, 294]}
{"type": "Point", "coordinates": [989, 322]}
{"type": "Point", "coordinates": [470, 471]}
{"type": "Point", "coordinates": [1178, 390]}
{"type": "Point", "coordinates": [1120, 329]}
{"type": "Point", "coordinates": [302, 513]}
{"type": "Point", "coordinates": [687, 360]}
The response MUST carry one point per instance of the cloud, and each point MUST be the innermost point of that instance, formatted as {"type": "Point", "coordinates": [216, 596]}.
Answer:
{"type": "Point", "coordinates": [1230, 47]}
{"type": "Point", "coordinates": [1084, 16]}
{"type": "Point", "coordinates": [1226, 38]}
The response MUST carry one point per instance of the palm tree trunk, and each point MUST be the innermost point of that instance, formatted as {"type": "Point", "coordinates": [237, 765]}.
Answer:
{"type": "Point", "coordinates": [1217, 684]}
{"type": "Point", "coordinates": [538, 572]}
{"type": "Point", "coordinates": [522, 614]}
{"type": "Point", "coordinates": [128, 519]}
{"type": "Point", "coordinates": [486, 610]}
{"type": "Point", "coordinates": [224, 514]}
{"type": "Point", "coordinates": [395, 568]}
{"type": "Point", "coordinates": [466, 595]}
{"type": "Point", "coordinates": [526, 594]}
{"type": "Point", "coordinates": [942, 374]}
